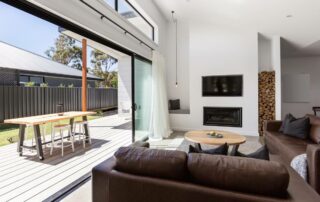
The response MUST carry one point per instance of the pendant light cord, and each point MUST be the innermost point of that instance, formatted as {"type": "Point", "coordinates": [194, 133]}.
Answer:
{"type": "Point", "coordinates": [176, 29]}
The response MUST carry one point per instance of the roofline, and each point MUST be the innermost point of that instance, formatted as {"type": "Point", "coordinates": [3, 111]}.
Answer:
{"type": "Point", "coordinates": [49, 74]}
{"type": "Point", "coordinates": [36, 55]}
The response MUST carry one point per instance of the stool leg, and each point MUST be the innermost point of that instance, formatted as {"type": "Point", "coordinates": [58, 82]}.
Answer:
{"type": "Point", "coordinates": [80, 132]}
{"type": "Point", "coordinates": [72, 139]}
{"type": "Point", "coordinates": [52, 140]}
{"type": "Point", "coordinates": [44, 134]}
{"type": "Point", "coordinates": [61, 135]}
{"type": "Point", "coordinates": [83, 136]}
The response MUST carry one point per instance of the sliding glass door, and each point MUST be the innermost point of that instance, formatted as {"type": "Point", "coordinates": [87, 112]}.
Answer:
{"type": "Point", "coordinates": [142, 98]}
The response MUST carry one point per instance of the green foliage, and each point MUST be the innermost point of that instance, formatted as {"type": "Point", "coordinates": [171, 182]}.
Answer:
{"type": "Point", "coordinates": [102, 68]}
{"type": "Point", "coordinates": [29, 84]}
{"type": "Point", "coordinates": [70, 86]}
{"type": "Point", "coordinates": [66, 51]}
{"type": "Point", "coordinates": [62, 85]}
{"type": "Point", "coordinates": [44, 85]}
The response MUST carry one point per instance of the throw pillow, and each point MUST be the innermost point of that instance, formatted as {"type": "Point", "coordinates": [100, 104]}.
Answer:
{"type": "Point", "coordinates": [287, 118]}
{"type": "Point", "coordinates": [221, 150]}
{"type": "Point", "coordinates": [298, 128]}
{"type": "Point", "coordinates": [262, 153]}
{"type": "Point", "coordinates": [174, 104]}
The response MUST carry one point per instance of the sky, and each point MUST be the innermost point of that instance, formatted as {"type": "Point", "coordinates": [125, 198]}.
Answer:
{"type": "Point", "coordinates": [28, 32]}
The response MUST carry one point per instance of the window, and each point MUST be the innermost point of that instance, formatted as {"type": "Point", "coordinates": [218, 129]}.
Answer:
{"type": "Point", "coordinates": [125, 9]}
{"type": "Point", "coordinates": [24, 79]}
{"type": "Point", "coordinates": [36, 79]}
{"type": "Point", "coordinates": [111, 3]}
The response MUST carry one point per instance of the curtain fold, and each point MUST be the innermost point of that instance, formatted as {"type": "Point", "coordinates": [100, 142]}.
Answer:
{"type": "Point", "coordinates": [159, 124]}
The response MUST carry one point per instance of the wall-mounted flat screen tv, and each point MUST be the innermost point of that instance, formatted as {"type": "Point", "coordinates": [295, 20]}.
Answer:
{"type": "Point", "coordinates": [222, 85]}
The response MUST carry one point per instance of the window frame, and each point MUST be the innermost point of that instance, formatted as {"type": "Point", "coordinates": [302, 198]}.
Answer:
{"type": "Point", "coordinates": [116, 7]}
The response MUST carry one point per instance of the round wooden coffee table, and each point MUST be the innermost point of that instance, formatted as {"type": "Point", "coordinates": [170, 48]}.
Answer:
{"type": "Point", "coordinates": [202, 137]}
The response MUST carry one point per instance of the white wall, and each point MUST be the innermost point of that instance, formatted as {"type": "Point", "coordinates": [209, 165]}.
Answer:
{"type": "Point", "coordinates": [303, 65]}
{"type": "Point", "coordinates": [276, 62]}
{"type": "Point", "coordinates": [265, 53]}
{"type": "Point", "coordinates": [221, 51]}
{"type": "Point", "coordinates": [124, 83]}
{"type": "Point", "coordinates": [182, 90]}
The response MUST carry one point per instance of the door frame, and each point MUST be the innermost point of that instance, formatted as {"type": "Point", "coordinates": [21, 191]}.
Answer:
{"type": "Point", "coordinates": [133, 101]}
{"type": "Point", "coordinates": [55, 19]}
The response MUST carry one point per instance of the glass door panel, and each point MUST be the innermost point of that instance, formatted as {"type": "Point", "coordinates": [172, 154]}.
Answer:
{"type": "Point", "coordinates": [142, 98]}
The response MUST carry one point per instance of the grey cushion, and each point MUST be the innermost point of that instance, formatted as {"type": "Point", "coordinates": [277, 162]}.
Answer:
{"type": "Point", "coordinates": [174, 104]}
{"type": "Point", "coordinates": [298, 128]}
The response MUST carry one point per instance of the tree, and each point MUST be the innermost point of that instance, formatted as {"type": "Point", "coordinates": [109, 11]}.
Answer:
{"type": "Point", "coordinates": [66, 51]}
{"type": "Point", "coordinates": [102, 68]}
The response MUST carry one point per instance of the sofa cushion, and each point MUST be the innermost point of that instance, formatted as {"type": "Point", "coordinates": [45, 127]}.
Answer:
{"type": "Point", "coordinates": [239, 174]}
{"type": "Point", "coordinates": [152, 162]}
{"type": "Point", "coordinates": [299, 128]}
{"type": "Point", "coordinates": [174, 104]}
{"type": "Point", "coordinates": [262, 154]}
{"type": "Point", "coordinates": [285, 146]}
{"type": "Point", "coordinates": [286, 119]}
{"type": "Point", "coordinates": [220, 150]}
{"type": "Point", "coordinates": [315, 128]}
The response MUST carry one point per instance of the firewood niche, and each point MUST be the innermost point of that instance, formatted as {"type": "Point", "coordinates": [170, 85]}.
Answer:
{"type": "Point", "coordinates": [266, 98]}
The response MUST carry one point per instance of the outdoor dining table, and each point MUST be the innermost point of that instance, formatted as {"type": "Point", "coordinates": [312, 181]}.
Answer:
{"type": "Point", "coordinates": [36, 121]}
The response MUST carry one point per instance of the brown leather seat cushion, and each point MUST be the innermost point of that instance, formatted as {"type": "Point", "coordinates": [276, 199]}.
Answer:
{"type": "Point", "coordinates": [315, 128]}
{"type": "Point", "coordinates": [239, 174]}
{"type": "Point", "coordinates": [286, 146]}
{"type": "Point", "coordinates": [152, 162]}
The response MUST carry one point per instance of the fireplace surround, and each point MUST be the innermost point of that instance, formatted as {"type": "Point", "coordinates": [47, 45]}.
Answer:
{"type": "Point", "coordinates": [222, 116]}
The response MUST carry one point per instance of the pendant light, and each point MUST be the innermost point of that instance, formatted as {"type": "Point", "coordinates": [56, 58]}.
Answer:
{"type": "Point", "coordinates": [175, 21]}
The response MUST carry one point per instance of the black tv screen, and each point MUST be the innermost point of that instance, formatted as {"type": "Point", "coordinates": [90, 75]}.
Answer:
{"type": "Point", "coordinates": [222, 85]}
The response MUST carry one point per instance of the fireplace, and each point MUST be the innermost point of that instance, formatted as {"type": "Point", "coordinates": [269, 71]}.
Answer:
{"type": "Point", "coordinates": [222, 116]}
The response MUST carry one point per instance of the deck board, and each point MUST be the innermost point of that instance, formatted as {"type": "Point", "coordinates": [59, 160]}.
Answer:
{"type": "Point", "coordinates": [28, 179]}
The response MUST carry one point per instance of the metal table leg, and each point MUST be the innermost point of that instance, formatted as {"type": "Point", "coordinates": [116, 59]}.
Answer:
{"type": "Point", "coordinates": [22, 130]}
{"type": "Point", "coordinates": [198, 146]}
{"type": "Point", "coordinates": [37, 133]}
{"type": "Point", "coordinates": [234, 150]}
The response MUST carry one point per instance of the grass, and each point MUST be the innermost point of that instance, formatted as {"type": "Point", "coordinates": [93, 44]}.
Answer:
{"type": "Point", "coordinates": [9, 133]}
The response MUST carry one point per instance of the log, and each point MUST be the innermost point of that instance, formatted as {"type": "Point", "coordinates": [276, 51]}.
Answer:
{"type": "Point", "coordinates": [266, 98]}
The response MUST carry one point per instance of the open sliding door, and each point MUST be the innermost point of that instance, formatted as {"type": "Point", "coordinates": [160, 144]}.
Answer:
{"type": "Point", "coordinates": [142, 80]}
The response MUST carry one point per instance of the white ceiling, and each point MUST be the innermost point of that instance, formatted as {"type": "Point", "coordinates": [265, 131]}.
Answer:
{"type": "Point", "coordinates": [269, 17]}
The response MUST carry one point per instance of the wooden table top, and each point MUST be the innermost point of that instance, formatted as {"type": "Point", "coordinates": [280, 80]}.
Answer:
{"type": "Point", "coordinates": [47, 118]}
{"type": "Point", "coordinates": [228, 137]}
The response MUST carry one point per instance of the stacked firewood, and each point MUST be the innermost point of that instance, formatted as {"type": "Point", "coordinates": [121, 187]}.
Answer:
{"type": "Point", "coordinates": [266, 98]}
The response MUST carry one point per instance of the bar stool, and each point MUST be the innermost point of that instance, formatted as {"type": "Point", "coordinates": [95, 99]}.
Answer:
{"type": "Point", "coordinates": [81, 132]}
{"type": "Point", "coordinates": [61, 128]}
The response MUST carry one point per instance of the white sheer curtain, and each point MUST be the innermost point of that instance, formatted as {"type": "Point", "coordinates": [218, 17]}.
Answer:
{"type": "Point", "coordinates": [159, 124]}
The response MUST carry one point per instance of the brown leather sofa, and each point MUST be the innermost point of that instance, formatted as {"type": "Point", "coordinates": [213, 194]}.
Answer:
{"type": "Point", "coordinates": [284, 148]}
{"type": "Point", "coordinates": [146, 175]}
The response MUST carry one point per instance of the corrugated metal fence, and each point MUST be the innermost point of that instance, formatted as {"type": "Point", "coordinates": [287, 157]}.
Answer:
{"type": "Point", "coordinates": [17, 101]}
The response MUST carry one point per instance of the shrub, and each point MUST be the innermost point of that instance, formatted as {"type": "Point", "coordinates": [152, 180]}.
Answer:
{"type": "Point", "coordinates": [44, 85]}
{"type": "Point", "coordinates": [61, 85]}
{"type": "Point", "coordinates": [70, 86]}
{"type": "Point", "coordinates": [29, 84]}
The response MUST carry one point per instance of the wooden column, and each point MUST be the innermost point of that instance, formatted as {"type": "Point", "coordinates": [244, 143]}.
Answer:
{"type": "Point", "coordinates": [84, 75]}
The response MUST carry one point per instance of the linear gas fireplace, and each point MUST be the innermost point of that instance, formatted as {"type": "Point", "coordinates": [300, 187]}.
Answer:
{"type": "Point", "coordinates": [222, 116]}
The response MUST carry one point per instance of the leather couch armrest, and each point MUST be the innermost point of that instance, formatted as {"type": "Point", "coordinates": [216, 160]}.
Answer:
{"type": "Point", "coordinates": [100, 180]}
{"type": "Point", "coordinates": [273, 126]}
{"type": "Point", "coordinates": [313, 158]}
